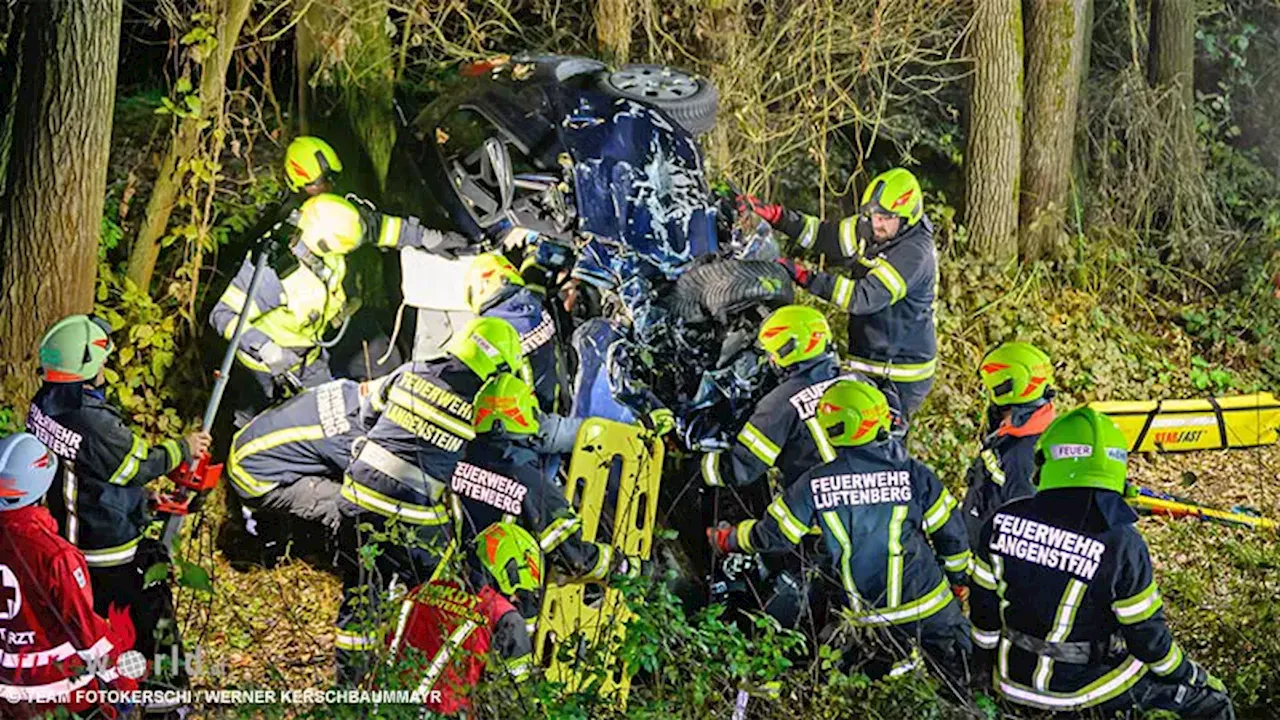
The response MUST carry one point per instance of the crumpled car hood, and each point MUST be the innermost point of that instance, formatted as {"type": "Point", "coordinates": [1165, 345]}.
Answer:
{"type": "Point", "coordinates": [638, 181]}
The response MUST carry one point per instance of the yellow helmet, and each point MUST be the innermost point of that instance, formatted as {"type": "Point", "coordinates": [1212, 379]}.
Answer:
{"type": "Point", "coordinates": [793, 334]}
{"type": "Point", "coordinates": [309, 159]}
{"type": "Point", "coordinates": [486, 277]}
{"type": "Point", "coordinates": [896, 192]}
{"type": "Point", "coordinates": [330, 225]}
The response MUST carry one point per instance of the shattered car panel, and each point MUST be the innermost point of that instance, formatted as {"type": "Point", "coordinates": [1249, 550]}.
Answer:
{"type": "Point", "coordinates": [639, 181]}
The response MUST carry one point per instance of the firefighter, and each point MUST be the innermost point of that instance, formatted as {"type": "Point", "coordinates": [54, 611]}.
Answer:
{"type": "Point", "coordinates": [311, 167]}
{"type": "Point", "coordinates": [1065, 603]}
{"type": "Point", "coordinates": [101, 502]}
{"type": "Point", "coordinates": [455, 626]}
{"type": "Point", "coordinates": [879, 510]}
{"type": "Point", "coordinates": [49, 631]}
{"type": "Point", "coordinates": [892, 280]}
{"type": "Point", "coordinates": [783, 430]}
{"type": "Point", "coordinates": [494, 288]}
{"type": "Point", "coordinates": [305, 289]}
{"type": "Point", "coordinates": [783, 433]}
{"type": "Point", "coordinates": [1019, 382]}
{"type": "Point", "coordinates": [399, 472]}
{"type": "Point", "coordinates": [502, 477]}
{"type": "Point", "coordinates": [290, 459]}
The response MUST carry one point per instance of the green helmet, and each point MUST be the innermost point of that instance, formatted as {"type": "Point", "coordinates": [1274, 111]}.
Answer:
{"type": "Point", "coordinates": [1083, 448]}
{"type": "Point", "coordinates": [1016, 373]}
{"type": "Point", "coordinates": [488, 345]}
{"type": "Point", "coordinates": [330, 225]}
{"type": "Point", "coordinates": [508, 400]}
{"type": "Point", "coordinates": [487, 276]}
{"type": "Point", "coordinates": [896, 192]}
{"type": "Point", "coordinates": [794, 333]}
{"type": "Point", "coordinates": [853, 413]}
{"type": "Point", "coordinates": [75, 349]}
{"type": "Point", "coordinates": [511, 556]}
{"type": "Point", "coordinates": [309, 159]}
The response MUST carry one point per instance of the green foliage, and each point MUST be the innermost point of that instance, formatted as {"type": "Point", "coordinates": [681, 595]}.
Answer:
{"type": "Point", "coordinates": [1225, 102]}
{"type": "Point", "coordinates": [145, 337]}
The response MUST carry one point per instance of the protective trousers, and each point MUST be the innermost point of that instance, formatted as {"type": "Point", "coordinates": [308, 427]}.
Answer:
{"type": "Point", "coordinates": [944, 638]}
{"type": "Point", "coordinates": [408, 555]}
{"type": "Point", "coordinates": [1149, 693]}
{"type": "Point", "coordinates": [150, 607]}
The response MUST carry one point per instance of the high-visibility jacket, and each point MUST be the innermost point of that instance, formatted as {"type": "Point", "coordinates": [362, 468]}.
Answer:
{"type": "Point", "coordinates": [889, 293]}
{"type": "Point", "coordinates": [310, 435]}
{"type": "Point", "coordinates": [1005, 467]}
{"type": "Point", "coordinates": [401, 468]}
{"type": "Point", "coordinates": [298, 295]}
{"type": "Point", "coordinates": [783, 429]}
{"type": "Point", "coordinates": [1060, 578]}
{"type": "Point", "coordinates": [455, 634]}
{"type": "Point", "coordinates": [53, 648]}
{"type": "Point", "coordinates": [99, 496]}
{"type": "Point", "coordinates": [888, 525]}
{"type": "Point", "coordinates": [502, 478]}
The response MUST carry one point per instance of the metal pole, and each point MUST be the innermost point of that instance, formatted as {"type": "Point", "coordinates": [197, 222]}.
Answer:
{"type": "Point", "coordinates": [229, 358]}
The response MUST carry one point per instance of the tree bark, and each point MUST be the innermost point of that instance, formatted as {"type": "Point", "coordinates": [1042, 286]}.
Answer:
{"type": "Point", "coordinates": [614, 19]}
{"type": "Point", "coordinates": [993, 158]}
{"type": "Point", "coordinates": [1172, 60]}
{"type": "Point", "coordinates": [1055, 32]}
{"type": "Point", "coordinates": [229, 17]}
{"type": "Point", "coordinates": [57, 174]}
{"type": "Point", "coordinates": [348, 60]}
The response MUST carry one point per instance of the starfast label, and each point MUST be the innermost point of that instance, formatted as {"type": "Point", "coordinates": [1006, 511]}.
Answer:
{"type": "Point", "coordinates": [1178, 437]}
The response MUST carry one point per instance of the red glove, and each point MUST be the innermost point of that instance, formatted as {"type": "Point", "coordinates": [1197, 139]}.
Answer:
{"type": "Point", "coordinates": [961, 592]}
{"type": "Point", "coordinates": [769, 213]}
{"type": "Point", "coordinates": [719, 537]}
{"type": "Point", "coordinates": [799, 273]}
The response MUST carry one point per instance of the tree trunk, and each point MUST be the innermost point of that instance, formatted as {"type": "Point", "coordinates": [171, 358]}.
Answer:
{"type": "Point", "coordinates": [1172, 60]}
{"type": "Point", "coordinates": [10, 71]}
{"type": "Point", "coordinates": [347, 57]}
{"type": "Point", "coordinates": [614, 19]}
{"type": "Point", "coordinates": [993, 157]}
{"type": "Point", "coordinates": [229, 17]}
{"type": "Point", "coordinates": [57, 173]}
{"type": "Point", "coordinates": [1055, 32]}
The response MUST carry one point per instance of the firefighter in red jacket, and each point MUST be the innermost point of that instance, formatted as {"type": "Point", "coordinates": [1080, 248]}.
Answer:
{"type": "Point", "coordinates": [452, 633]}
{"type": "Point", "coordinates": [53, 648]}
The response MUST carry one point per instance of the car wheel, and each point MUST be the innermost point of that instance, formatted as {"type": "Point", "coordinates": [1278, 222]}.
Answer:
{"type": "Point", "coordinates": [690, 100]}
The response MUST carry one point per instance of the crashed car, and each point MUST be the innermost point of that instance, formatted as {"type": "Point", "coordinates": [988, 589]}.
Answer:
{"type": "Point", "coordinates": [598, 172]}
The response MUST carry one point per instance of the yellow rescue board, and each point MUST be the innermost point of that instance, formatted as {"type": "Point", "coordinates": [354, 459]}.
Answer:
{"type": "Point", "coordinates": [1208, 424]}
{"type": "Point", "coordinates": [615, 468]}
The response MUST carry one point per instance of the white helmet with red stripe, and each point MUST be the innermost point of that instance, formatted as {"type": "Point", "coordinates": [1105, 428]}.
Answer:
{"type": "Point", "coordinates": [26, 471]}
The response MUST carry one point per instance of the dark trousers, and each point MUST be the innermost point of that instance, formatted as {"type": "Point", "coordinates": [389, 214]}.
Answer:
{"type": "Point", "coordinates": [911, 394]}
{"type": "Point", "coordinates": [150, 608]}
{"type": "Point", "coordinates": [944, 638]}
{"type": "Point", "coordinates": [407, 556]}
{"type": "Point", "coordinates": [311, 499]}
{"type": "Point", "coordinates": [1150, 693]}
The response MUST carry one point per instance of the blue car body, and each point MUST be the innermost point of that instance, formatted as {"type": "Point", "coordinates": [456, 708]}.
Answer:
{"type": "Point", "coordinates": [640, 195]}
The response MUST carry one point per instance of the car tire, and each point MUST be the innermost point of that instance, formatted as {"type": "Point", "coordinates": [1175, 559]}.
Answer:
{"type": "Point", "coordinates": [690, 100]}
